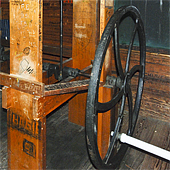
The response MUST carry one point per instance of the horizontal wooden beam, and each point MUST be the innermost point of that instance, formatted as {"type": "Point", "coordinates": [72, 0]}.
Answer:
{"type": "Point", "coordinates": [21, 84]}
{"type": "Point", "coordinates": [45, 105]}
{"type": "Point", "coordinates": [39, 89]}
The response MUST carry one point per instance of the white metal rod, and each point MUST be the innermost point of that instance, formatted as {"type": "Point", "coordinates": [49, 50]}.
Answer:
{"type": "Point", "coordinates": [145, 146]}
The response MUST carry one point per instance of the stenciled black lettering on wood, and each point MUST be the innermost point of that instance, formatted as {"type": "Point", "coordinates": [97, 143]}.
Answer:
{"type": "Point", "coordinates": [24, 125]}
{"type": "Point", "coordinates": [29, 148]}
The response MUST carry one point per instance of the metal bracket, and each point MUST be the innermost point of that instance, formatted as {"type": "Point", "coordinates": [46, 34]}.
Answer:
{"type": "Point", "coordinates": [51, 69]}
{"type": "Point", "coordinates": [55, 69]}
{"type": "Point", "coordinates": [112, 81]}
{"type": "Point", "coordinates": [68, 71]}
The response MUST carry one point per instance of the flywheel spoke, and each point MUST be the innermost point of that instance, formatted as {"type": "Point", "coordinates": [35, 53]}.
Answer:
{"type": "Point", "coordinates": [117, 53]}
{"type": "Point", "coordinates": [122, 105]}
{"type": "Point", "coordinates": [130, 105]}
{"type": "Point", "coordinates": [116, 130]}
{"type": "Point", "coordinates": [113, 140]}
{"type": "Point", "coordinates": [135, 69]}
{"type": "Point", "coordinates": [130, 47]}
{"type": "Point", "coordinates": [103, 107]}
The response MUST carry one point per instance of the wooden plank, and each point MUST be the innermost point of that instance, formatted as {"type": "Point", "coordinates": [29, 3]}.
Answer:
{"type": "Point", "coordinates": [155, 99]}
{"type": "Point", "coordinates": [67, 51]}
{"type": "Point", "coordinates": [22, 84]}
{"type": "Point", "coordinates": [42, 106]}
{"type": "Point", "coordinates": [53, 102]}
{"type": "Point", "coordinates": [86, 35]}
{"type": "Point", "coordinates": [5, 9]}
{"type": "Point", "coordinates": [69, 137]}
{"type": "Point", "coordinates": [51, 26]}
{"type": "Point", "coordinates": [33, 107]}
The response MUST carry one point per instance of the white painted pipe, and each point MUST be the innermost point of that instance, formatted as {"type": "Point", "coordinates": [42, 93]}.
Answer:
{"type": "Point", "coordinates": [145, 146]}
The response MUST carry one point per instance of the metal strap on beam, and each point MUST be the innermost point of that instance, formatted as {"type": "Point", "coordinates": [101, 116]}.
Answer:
{"type": "Point", "coordinates": [68, 87]}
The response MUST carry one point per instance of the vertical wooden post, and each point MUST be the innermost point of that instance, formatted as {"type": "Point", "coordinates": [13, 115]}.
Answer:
{"type": "Point", "coordinates": [26, 135]}
{"type": "Point", "coordinates": [105, 94]}
{"type": "Point", "coordinates": [85, 37]}
{"type": "Point", "coordinates": [89, 21]}
{"type": "Point", "coordinates": [26, 39]}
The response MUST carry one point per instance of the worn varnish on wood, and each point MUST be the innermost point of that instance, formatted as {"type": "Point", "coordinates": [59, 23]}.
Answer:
{"type": "Point", "coordinates": [26, 136]}
{"type": "Point", "coordinates": [85, 33]}
{"type": "Point", "coordinates": [22, 84]}
{"type": "Point", "coordinates": [51, 26]}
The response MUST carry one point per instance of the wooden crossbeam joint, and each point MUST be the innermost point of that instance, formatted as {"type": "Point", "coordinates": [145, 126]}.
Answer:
{"type": "Point", "coordinates": [21, 84]}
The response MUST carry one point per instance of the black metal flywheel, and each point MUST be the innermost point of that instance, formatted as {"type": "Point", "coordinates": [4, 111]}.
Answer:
{"type": "Point", "coordinates": [126, 84]}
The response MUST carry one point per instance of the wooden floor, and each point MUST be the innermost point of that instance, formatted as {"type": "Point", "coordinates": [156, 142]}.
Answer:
{"type": "Point", "coordinates": [154, 132]}
{"type": "Point", "coordinates": [66, 147]}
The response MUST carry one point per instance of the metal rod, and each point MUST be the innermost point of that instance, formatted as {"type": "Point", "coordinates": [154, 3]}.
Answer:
{"type": "Point", "coordinates": [61, 40]}
{"type": "Point", "coordinates": [84, 74]}
{"type": "Point", "coordinates": [145, 146]}
{"type": "Point", "coordinates": [82, 71]}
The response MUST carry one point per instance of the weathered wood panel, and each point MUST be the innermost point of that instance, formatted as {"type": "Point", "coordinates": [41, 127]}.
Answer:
{"type": "Point", "coordinates": [66, 149]}
{"type": "Point", "coordinates": [156, 94]}
{"type": "Point", "coordinates": [21, 137]}
{"type": "Point", "coordinates": [51, 25]}
{"type": "Point", "coordinates": [26, 39]}
{"type": "Point", "coordinates": [6, 99]}
{"type": "Point", "coordinates": [5, 9]}
{"type": "Point", "coordinates": [4, 66]}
